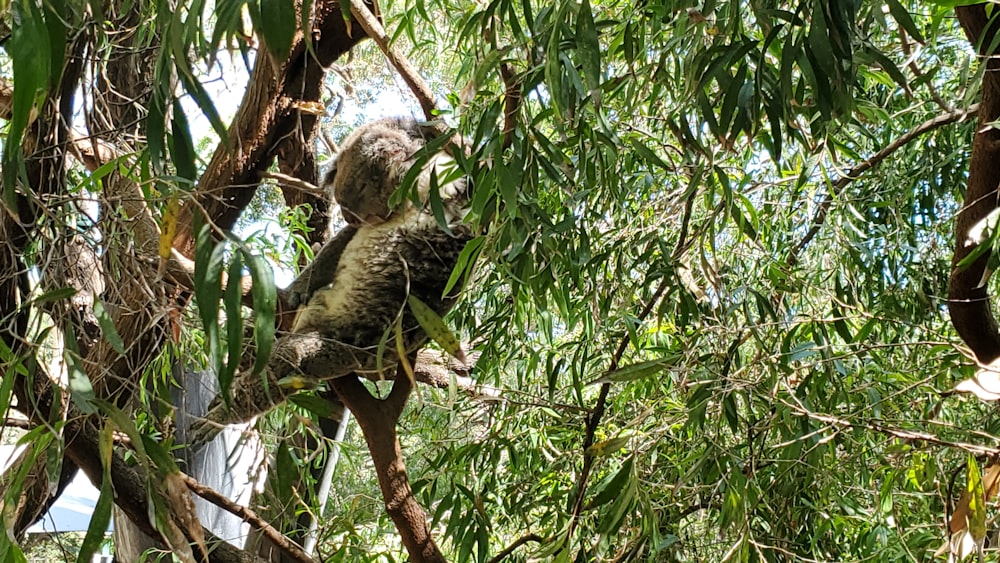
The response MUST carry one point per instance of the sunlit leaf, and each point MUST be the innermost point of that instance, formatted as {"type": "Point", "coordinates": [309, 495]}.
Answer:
{"type": "Point", "coordinates": [976, 516]}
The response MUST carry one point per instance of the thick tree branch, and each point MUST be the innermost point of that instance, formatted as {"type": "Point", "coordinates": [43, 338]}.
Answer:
{"type": "Point", "coordinates": [968, 297]}
{"type": "Point", "coordinates": [278, 104]}
{"type": "Point", "coordinates": [377, 419]}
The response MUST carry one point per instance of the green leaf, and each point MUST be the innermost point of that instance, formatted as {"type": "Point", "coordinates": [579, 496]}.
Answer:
{"type": "Point", "coordinates": [108, 327]}
{"type": "Point", "coordinates": [612, 521]}
{"type": "Point", "coordinates": [265, 299]}
{"type": "Point", "coordinates": [228, 20]}
{"type": "Point", "coordinates": [182, 148]}
{"type": "Point", "coordinates": [55, 295]}
{"type": "Point", "coordinates": [437, 206]}
{"type": "Point", "coordinates": [156, 131]}
{"type": "Point", "coordinates": [613, 485]}
{"type": "Point", "coordinates": [287, 471]}
{"type": "Point", "coordinates": [589, 50]}
{"type": "Point", "coordinates": [977, 502]}
{"type": "Point", "coordinates": [233, 301]}
{"type": "Point", "coordinates": [609, 446]}
{"type": "Point", "coordinates": [208, 265]}
{"type": "Point", "coordinates": [435, 327]}
{"type": "Point", "coordinates": [640, 370]}
{"type": "Point", "coordinates": [178, 42]}
{"type": "Point", "coordinates": [159, 455]}
{"type": "Point", "coordinates": [315, 404]}
{"type": "Point", "coordinates": [647, 154]}
{"type": "Point", "coordinates": [465, 263]}
{"type": "Point", "coordinates": [80, 388]}
{"type": "Point", "coordinates": [902, 17]}
{"type": "Point", "coordinates": [277, 26]}
{"type": "Point", "coordinates": [30, 59]}
{"type": "Point", "coordinates": [876, 56]}
{"type": "Point", "coordinates": [57, 17]}
{"type": "Point", "coordinates": [101, 516]}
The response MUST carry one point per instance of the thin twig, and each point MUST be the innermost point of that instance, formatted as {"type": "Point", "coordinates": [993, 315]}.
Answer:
{"type": "Point", "coordinates": [518, 543]}
{"type": "Point", "coordinates": [18, 423]}
{"type": "Point", "coordinates": [904, 42]}
{"type": "Point", "coordinates": [293, 182]}
{"type": "Point", "coordinates": [975, 449]}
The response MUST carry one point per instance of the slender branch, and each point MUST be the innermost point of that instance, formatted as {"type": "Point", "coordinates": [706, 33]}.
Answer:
{"type": "Point", "coordinates": [297, 183]}
{"type": "Point", "coordinates": [373, 28]}
{"type": "Point", "coordinates": [511, 103]}
{"type": "Point", "coordinates": [17, 422]}
{"type": "Point", "coordinates": [517, 543]}
{"type": "Point", "coordinates": [904, 42]}
{"type": "Point", "coordinates": [211, 495]}
{"type": "Point", "coordinates": [975, 449]}
{"type": "Point", "coordinates": [819, 218]}
{"type": "Point", "coordinates": [594, 420]}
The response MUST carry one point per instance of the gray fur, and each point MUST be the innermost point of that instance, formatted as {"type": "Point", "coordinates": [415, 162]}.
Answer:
{"type": "Point", "coordinates": [357, 286]}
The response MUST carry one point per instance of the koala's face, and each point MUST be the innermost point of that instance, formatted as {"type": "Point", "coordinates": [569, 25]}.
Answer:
{"type": "Point", "coordinates": [370, 166]}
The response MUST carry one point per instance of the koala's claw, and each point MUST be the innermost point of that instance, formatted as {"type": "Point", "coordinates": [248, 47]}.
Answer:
{"type": "Point", "coordinates": [296, 296]}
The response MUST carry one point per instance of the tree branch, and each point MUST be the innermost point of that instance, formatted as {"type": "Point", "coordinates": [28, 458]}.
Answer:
{"type": "Point", "coordinates": [517, 543]}
{"type": "Point", "coordinates": [378, 419]}
{"type": "Point", "coordinates": [819, 218]}
{"type": "Point", "coordinates": [277, 104]}
{"type": "Point", "coordinates": [594, 420]}
{"type": "Point", "coordinates": [968, 295]}
{"type": "Point", "coordinates": [211, 495]}
{"type": "Point", "coordinates": [373, 28]}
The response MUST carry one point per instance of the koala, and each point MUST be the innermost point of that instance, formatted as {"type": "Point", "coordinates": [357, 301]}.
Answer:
{"type": "Point", "coordinates": [351, 295]}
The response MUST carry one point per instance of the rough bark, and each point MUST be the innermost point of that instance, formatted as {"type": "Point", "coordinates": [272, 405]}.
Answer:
{"type": "Point", "coordinates": [968, 295]}
{"type": "Point", "coordinates": [278, 108]}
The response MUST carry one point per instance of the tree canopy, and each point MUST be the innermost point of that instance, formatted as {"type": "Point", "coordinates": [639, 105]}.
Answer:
{"type": "Point", "coordinates": [729, 297]}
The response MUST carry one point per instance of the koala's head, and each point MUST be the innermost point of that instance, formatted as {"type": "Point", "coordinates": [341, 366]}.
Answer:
{"type": "Point", "coordinates": [371, 165]}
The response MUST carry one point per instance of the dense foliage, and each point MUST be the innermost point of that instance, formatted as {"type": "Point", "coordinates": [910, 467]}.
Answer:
{"type": "Point", "coordinates": [710, 300]}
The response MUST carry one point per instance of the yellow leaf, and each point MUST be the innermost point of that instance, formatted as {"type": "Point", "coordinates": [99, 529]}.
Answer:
{"type": "Point", "coordinates": [168, 229]}
{"type": "Point", "coordinates": [607, 447]}
{"type": "Point", "coordinates": [404, 360]}
{"type": "Point", "coordinates": [298, 382]}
